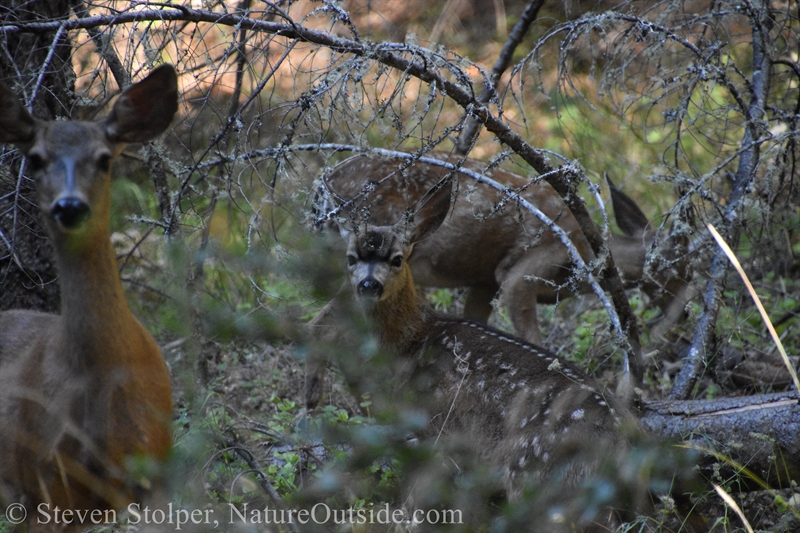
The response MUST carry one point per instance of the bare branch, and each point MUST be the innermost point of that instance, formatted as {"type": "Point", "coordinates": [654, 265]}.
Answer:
{"type": "Point", "coordinates": [748, 160]}
{"type": "Point", "coordinates": [470, 131]}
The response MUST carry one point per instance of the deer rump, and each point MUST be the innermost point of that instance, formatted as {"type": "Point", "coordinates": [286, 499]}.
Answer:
{"type": "Point", "coordinates": [481, 246]}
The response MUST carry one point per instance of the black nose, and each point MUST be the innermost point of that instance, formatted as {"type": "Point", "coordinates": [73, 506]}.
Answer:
{"type": "Point", "coordinates": [69, 212]}
{"type": "Point", "coordinates": [371, 288]}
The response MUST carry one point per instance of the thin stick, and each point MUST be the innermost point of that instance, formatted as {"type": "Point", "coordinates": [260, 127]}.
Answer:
{"type": "Point", "coordinates": [519, 30]}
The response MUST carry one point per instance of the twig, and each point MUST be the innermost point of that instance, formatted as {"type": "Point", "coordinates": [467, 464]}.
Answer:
{"type": "Point", "coordinates": [43, 70]}
{"type": "Point", "coordinates": [105, 49]}
{"type": "Point", "coordinates": [509, 196]}
{"type": "Point", "coordinates": [703, 337]}
{"type": "Point", "coordinates": [470, 131]}
{"type": "Point", "coordinates": [564, 180]}
{"type": "Point", "coordinates": [232, 443]}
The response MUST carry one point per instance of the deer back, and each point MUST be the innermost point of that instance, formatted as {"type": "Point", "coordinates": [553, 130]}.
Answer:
{"type": "Point", "coordinates": [380, 192]}
{"type": "Point", "coordinates": [488, 242]}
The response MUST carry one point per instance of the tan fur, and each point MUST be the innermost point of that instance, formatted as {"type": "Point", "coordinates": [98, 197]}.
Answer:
{"type": "Point", "coordinates": [510, 251]}
{"type": "Point", "coordinates": [84, 392]}
{"type": "Point", "coordinates": [521, 407]}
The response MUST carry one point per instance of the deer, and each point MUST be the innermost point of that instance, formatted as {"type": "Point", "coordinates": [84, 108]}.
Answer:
{"type": "Point", "coordinates": [521, 407]}
{"type": "Point", "coordinates": [490, 250]}
{"type": "Point", "coordinates": [486, 249]}
{"type": "Point", "coordinates": [86, 393]}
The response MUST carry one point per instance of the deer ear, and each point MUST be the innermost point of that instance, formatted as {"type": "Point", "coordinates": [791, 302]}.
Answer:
{"type": "Point", "coordinates": [144, 110]}
{"type": "Point", "coordinates": [345, 230]}
{"type": "Point", "coordinates": [327, 201]}
{"type": "Point", "coordinates": [17, 126]}
{"type": "Point", "coordinates": [429, 212]}
{"type": "Point", "coordinates": [630, 218]}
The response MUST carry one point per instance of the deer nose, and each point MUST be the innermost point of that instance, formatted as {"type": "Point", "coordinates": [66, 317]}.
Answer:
{"type": "Point", "coordinates": [370, 288]}
{"type": "Point", "coordinates": [70, 212]}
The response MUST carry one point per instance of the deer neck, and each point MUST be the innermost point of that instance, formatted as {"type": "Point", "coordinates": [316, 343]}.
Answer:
{"type": "Point", "coordinates": [400, 318]}
{"type": "Point", "coordinates": [95, 318]}
{"type": "Point", "coordinates": [629, 255]}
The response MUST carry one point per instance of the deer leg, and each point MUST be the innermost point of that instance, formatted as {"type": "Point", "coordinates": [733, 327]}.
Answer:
{"type": "Point", "coordinates": [674, 310]}
{"type": "Point", "coordinates": [519, 299]}
{"type": "Point", "coordinates": [315, 380]}
{"type": "Point", "coordinates": [478, 303]}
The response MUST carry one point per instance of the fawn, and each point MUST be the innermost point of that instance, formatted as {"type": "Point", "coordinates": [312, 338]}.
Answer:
{"type": "Point", "coordinates": [521, 407]}
{"type": "Point", "coordinates": [85, 392]}
{"type": "Point", "coordinates": [506, 251]}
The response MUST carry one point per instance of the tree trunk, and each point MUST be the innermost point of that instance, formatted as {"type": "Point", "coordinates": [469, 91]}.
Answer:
{"type": "Point", "coordinates": [27, 272]}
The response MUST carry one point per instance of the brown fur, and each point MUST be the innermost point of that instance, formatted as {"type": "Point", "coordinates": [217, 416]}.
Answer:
{"type": "Point", "coordinates": [83, 392]}
{"type": "Point", "coordinates": [487, 250]}
{"type": "Point", "coordinates": [519, 406]}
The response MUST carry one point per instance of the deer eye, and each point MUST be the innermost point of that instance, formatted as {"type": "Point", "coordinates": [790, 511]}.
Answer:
{"type": "Point", "coordinates": [351, 260]}
{"type": "Point", "coordinates": [35, 162]}
{"type": "Point", "coordinates": [397, 261]}
{"type": "Point", "coordinates": [104, 162]}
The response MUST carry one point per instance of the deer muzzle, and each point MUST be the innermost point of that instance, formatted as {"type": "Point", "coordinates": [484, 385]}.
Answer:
{"type": "Point", "coordinates": [70, 212]}
{"type": "Point", "coordinates": [370, 288]}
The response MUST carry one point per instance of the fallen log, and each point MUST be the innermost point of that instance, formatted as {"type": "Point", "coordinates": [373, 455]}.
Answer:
{"type": "Point", "coordinates": [760, 433]}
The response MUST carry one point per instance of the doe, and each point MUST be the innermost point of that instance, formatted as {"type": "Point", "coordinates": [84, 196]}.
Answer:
{"type": "Point", "coordinates": [493, 251]}
{"type": "Point", "coordinates": [86, 392]}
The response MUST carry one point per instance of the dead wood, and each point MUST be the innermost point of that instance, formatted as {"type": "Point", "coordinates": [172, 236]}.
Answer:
{"type": "Point", "coordinates": [760, 433]}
